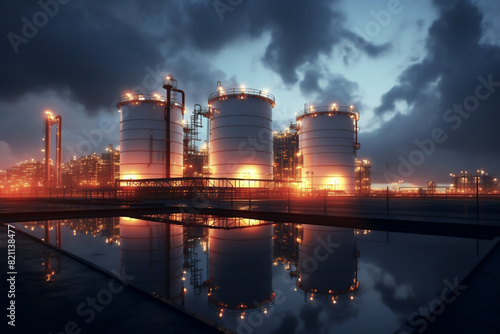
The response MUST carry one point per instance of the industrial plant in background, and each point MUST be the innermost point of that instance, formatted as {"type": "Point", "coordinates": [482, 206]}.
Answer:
{"type": "Point", "coordinates": [92, 170]}
{"type": "Point", "coordinates": [362, 175]}
{"type": "Point", "coordinates": [196, 163]}
{"type": "Point", "coordinates": [287, 160]}
{"type": "Point", "coordinates": [95, 170]}
{"type": "Point", "coordinates": [470, 183]}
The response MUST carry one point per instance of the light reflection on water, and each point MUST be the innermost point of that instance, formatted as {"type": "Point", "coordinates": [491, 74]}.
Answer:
{"type": "Point", "coordinates": [281, 278]}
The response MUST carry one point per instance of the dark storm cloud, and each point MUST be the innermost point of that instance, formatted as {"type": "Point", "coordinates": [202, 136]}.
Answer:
{"type": "Point", "coordinates": [81, 51]}
{"type": "Point", "coordinates": [319, 316]}
{"type": "Point", "coordinates": [310, 316]}
{"type": "Point", "coordinates": [442, 92]}
{"type": "Point", "coordinates": [372, 50]}
{"type": "Point", "coordinates": [93, 51]}
{"type": "Point", "coordinates": [337, 88]}
{"type": "Point", "coordinates": [307, 31]}
{"type": "Point", "coordinates": [288, 325]}
{"type": "Point", "coordinates": [340, 90]}
{"type": "Point", "coordinates": [299, 31]}
{"type": "Point", "coordinates": [409, 269]}
{"type": "Point", "coordinates": [400, 306]}
{"type": "Point", "coordinates": [310, 83]}
{"type": "Point", "coordinates": [336, 315]}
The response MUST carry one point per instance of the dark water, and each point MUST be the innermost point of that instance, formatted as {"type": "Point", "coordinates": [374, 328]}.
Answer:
{"type": "Point", "coordinates": [271, 278]}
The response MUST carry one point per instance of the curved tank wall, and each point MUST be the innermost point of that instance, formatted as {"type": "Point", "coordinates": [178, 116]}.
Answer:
{"type": "Point", "coordinates": [327, 143]}
{"type": "Point", "coordinates": [153, 253]}
{"type": "Point", "coordinates": [327, 260]}
{"type": "Point", "coordinates": [241, 267]}
{"type": "Point", "coordinates": [142, 138]}
{"type": "Point", "coordinates": [241, 143]}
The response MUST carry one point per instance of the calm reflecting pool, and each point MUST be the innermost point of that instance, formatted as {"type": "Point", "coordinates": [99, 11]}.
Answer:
{"type": "Point", "coordinates": [262, 277]}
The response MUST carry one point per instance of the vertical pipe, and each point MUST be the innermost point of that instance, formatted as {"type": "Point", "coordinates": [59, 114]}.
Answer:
{"type": "Point", "coordinates": [167, 135]}
{"type": "Point", "coordinates": [356, 130]}
{"type": "Point", "coordinates": [183, 108]}
{"type": "Point", "coordinates": [58, 152]}
{"type": "Point", "coordinates": [47, 152]}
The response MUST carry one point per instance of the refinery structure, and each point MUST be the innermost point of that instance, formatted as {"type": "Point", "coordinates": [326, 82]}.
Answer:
{"type": "Point", "coordinates": [158, 148]}
{"type": "Point", "coordinates": [241, 156]}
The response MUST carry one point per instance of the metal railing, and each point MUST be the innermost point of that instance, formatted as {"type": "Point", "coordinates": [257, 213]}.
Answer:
{"type": "Point", "coordinates": [144, 98]}
{"type": "Point", "coordinates": [328, 110]}
{"type": "Point", "coordinates": [243, 92]}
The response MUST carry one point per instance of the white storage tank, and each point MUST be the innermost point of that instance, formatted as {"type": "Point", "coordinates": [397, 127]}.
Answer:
{"type": "Point", "coordinates": [241, 143]}
{"type": "Point", "coordinates": [241, 267]}
{"type": "Point", "coordinates": [142, 137]}
{"type": "Point", "coordinates": [328, 144]}
{"type": "Point", "coordinates": [153, 253]}
{"type": "Point", "coordinates": [328, 260]}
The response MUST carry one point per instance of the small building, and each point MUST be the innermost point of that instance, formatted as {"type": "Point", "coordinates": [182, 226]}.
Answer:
{"type": "Point", "coordinates": [469, 183]}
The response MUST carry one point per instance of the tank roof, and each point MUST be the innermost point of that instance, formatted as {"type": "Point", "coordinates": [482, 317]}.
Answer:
{"type": "Point", "coordinates": [333, 109]}
{"type": "Point", "coordinates": [146, 98]}
{"type": "Point", "coordinates": [242, 92]}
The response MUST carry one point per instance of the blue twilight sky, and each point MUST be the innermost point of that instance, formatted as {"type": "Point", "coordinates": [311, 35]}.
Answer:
{"type": "Point", "coordinates": [425, 75]}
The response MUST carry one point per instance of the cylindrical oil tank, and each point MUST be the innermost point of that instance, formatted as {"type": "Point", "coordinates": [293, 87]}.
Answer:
{"type": "Point", "coordinates": [142, 137]}
{"type": "Point", "coordinates": [153, 254]}
{"type": "Point", "coordinates": [328, 144]}
{"type": "Point", "coordinates": [241, 267]}
{"type": "Point", "coordinates": [327, 260]}
{"type": "Point", "coordinates": [241, 143]}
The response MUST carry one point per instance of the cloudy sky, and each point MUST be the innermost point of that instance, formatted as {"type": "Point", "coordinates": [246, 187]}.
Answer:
{"type": "Point", "coordinates": [425, 75]}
